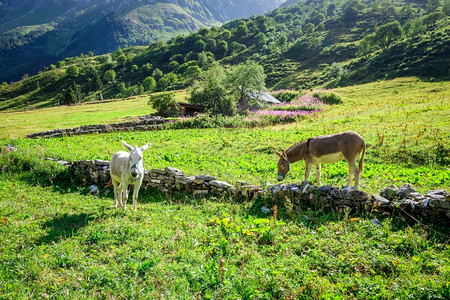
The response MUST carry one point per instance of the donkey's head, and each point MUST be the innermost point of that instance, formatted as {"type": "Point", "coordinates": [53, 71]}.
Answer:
{"type": "Point", "coordinates": [136, 155]}
{"type": "Point", "coordinates": [282, 165]}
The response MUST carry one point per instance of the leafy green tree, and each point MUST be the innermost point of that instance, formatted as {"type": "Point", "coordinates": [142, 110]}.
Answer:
{"type": "Point", "coordinates": [247, 79]}
{"type": "Point", "coordinates": [122, 60]}
{"type": "Point", "coordinates": [281, 41]}
{"type": "Point", "coordinates": [118, 53]}
{"type": "Point", "coordinates": [147, 67]}
{"type": "Point", "coordinates": [309, 28]}
{"type": "Point", "coordinates": [167, 80]}
{"type": "Point", "coordinates": [149, 84]}
{"type": "Point", "coordinates": [432, 5]}
{"type": "Point", "coordinates": [211, 44]}
{"type": "Point", "coordinates": [237, 47]}
{"type": "Point", "coordinates": [96, 82]}
{"type": "Point", "coordinates": [174, 65]}
{"type": "Point", "coordinates": [226, 34]}
{"type": "Point", "coordinates": [222, 48]}
{"type": "Point", "coordinates": [157, 74]}
{"type": "Point", "coordinates": [69, 96]}
{"type": "Point", "coordinates": [446, 7]}
{"type": "Point", "coordinates": [109, 76]}
{"type": "Point", "coordinates": [73, 71]}
{"type": "Point", "coordinates": [192, 72]}
{"type": "Point", "coordinates": [260, 39]}
{"type": "Point", "coordinates": [164, 103]}
{"type": "Point", "coordinates": [431, 19]}
{"type": "Point", "coordinates": [199, 46]}
{"type": "Point", "coordinates": [241, 28]}
{"type": "Point", "coordinates": [179, 58]}
{"type": "Point", "coordinates": [213, 93]}
{"type": "Point", "coordinates": [134, 68]}
{"type": "Point", "coordinates": [351, 10]}
{"type": "Point", "coordinates": [203, 60]}
{"type": "Point", "coordinates": [387, 34]}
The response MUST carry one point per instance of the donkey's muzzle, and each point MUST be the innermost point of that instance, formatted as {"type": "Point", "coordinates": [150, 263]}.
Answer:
{"type": "Point", "coordinates": [134, 172]}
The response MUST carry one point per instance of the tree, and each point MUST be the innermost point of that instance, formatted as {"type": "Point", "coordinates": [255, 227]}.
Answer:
{"type": "Point", "coordinates": [226, 34]}
{"type": "Point", "coordinates": [96, 83]}
{"type": "Point", "coordinates": [241, 28]}
{"type": "Point", "coordinates": [199, 46]}
{"type": "Point", "coordinates": [157, 74]}
{"type": "Point", "coordinates": [69, 96]}
{"type": "Point", "coordinates": [213, 93]}
{"type": "Point", "coordinates": [174, 65]}
{"type": "Point", "coordinates": [192, 72]}
{"type": "Point", "coordinates": [260, 39]}
{"type": "Point", "coordinates": [247, 80]}
{"type": "Point", "coordinates": [110, 76]}
{"type": "Point", "coordinates": [351, 10]}
{"type": "Point", "coordinates": [222, 48]}
{"type": "Point", "coordinates": [211, 44]}
{"type": "Point", "coordinates": [203, 60]}
{"type": "Point", "coordinates": [164, 104]}
{"type": "Point", "coordinates": [122, 60]}
{"type": "Point", "coordinates": [167, 81]}
{"type": "Point", "coordinates": [149, 84]}
{"type": "Point", "coordinates": [73, 71]}
{"type": "Point", "coordinates": [387, 34]}
{"type": "Point", "coordinates": [237, 47]}
{"type": "Point", "coordinates": [134, 68]}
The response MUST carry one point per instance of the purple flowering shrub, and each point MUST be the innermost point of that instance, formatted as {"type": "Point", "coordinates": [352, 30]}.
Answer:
{"type": "Point", "coordinates": [286, 112]}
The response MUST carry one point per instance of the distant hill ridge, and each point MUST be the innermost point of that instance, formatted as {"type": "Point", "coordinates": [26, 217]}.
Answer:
{"type": "Point", "coordinates": [34, 34]}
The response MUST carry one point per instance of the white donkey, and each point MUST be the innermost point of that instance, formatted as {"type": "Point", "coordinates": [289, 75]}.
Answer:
{"type": "Point", "coordinates": [127, 168]}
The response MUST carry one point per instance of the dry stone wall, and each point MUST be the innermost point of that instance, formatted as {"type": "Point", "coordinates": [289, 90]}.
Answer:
{"type": "Point", "coordinates": [144, 123]}
{"type": "Point", "coordinates": [434, 205]}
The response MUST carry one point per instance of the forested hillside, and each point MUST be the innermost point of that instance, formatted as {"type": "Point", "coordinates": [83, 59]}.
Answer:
{"type": "Point", "coordinates": [34, 34]}
{"type": "Point", "coordinates": [301, 45]}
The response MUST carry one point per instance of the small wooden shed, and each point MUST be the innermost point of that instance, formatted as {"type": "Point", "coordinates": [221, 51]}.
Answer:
{"type": "Point", "coordinates": [187, 109]}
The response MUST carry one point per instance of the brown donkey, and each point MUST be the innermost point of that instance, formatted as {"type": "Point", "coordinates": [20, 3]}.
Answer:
{"type": "Point", "coordinates": [325, 149]}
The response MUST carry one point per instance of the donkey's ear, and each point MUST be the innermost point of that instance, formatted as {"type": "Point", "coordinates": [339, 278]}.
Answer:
{"type": "Point", "coordinates": [278, 153]}
{"type": "Point", "coordinates": [127, 146]}
{"type": "Point", "coordinates": [145, 147]}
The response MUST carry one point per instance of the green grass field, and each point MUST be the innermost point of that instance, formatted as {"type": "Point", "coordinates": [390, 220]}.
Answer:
{"type": "Point", "coordinates": [62, 243]}
{"type": "Point", "coordinates": [19, 124]}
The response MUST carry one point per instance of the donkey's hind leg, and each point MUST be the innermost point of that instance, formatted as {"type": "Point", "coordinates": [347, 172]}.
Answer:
{"type": "Point", "coordinates": [117, 193]}
{"type": "Point", "coordinates": [317, 171]}
{"type": "Point", "coordinates": [353, 172]}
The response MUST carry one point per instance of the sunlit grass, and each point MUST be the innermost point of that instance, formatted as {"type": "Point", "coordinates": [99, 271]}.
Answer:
{"type": "Point", "coordinates": [19, 124]}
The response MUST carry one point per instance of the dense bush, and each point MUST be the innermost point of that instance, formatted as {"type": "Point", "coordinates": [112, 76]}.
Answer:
{"type": "Point", "coordinates": [165, 104]}
{"type": "Point", "coordinates": [328, 97]}
{"type": "Point", "coordinates": [286, 95]}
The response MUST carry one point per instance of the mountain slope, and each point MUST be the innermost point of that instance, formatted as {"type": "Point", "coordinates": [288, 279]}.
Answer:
{"type": "Point", "coordinates": [34, 34]}
{"type": "Point", "coordinates": [304, 45]}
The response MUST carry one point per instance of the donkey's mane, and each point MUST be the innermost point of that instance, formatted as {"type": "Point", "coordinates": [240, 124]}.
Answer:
{"type": "Point", "coordinates": [298, 144]}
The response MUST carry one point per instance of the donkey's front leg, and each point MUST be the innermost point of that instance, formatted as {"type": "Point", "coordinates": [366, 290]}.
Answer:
{"type": "Point", "coordinates": [124, 195]}
{"type": "Point", "coordinates": [137, 186]}
{"type": "Point", "coordinates": [308, 166]}
{"type": "Point", "coordinates": [317, 171]}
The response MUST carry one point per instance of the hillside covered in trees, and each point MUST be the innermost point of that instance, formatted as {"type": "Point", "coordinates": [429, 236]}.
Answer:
{"type": "Point", "coordinates": [34, 34]}
{"type": "Point", "coordinates": [302, 44]}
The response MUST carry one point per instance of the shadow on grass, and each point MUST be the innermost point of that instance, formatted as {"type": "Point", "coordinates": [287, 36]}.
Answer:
{"type": "Point", "coordinates": [64, 226]}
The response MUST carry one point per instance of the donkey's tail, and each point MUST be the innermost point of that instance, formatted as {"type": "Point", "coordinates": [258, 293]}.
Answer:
{"type": "Point", "coordinates": [361, 161]}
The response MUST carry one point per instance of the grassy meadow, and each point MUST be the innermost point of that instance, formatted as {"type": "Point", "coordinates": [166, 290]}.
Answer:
{"type": "Point", "coordinates": [19, 124]}
{"type": "Point", "coordinates": [60, 242]}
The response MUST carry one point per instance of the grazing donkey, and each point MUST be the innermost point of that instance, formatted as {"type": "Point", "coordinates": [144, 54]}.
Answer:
{"type": "Point", "coordinates": [325, 149]}
{"type": "Point", "coordinates": [127, 168]}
